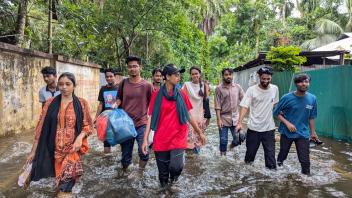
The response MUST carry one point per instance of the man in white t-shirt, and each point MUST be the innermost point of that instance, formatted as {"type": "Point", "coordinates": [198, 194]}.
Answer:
{"type": "Point", "coordinates": [260, 99]}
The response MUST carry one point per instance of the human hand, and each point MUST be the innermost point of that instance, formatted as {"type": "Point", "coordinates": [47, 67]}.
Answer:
{"type": "Point", "coordinates": [291, 127]}
{"type": "Point", "coordinates": [219, 123]}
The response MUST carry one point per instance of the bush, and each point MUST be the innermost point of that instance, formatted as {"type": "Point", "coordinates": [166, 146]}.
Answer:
{"type": "Point", "coordinates": [285, 58]}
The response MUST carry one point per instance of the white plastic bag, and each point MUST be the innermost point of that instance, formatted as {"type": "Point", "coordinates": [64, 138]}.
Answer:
{"type": "Point", "coordinates": [23, 179]}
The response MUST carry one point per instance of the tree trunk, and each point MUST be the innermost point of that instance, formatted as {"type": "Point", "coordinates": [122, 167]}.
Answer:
{"type": "Point", "coordinates": [21, 22]}
{"type": "Point", "coordinates": [284, 14]}
{"type": "Point", "coordinates": [50, 30]}
{"type": "Point", "coordinates": [257, 45]}
{"type": "Point", "coordinates": [299, 8]}
{"type": "Point", "coordinates": [147, 46]}
{"type": "Point", "coordinates": [126, 46]}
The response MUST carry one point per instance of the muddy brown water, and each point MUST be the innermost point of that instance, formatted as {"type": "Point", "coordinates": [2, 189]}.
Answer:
{"type": "Point", "coordinates": [206, 175]}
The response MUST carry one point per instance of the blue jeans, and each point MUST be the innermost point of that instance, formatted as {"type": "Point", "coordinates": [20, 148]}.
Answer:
{"type": "Point", "coordinates": [223, 132]}
{"type": "Point", "coordinates": [127, 148]}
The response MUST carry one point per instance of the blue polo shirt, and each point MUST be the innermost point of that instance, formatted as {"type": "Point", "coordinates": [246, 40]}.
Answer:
{"type": "Point", "coordinates": [298, 110]}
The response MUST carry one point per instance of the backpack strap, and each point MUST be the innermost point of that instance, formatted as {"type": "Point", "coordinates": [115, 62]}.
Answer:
{"type": "Point", "coordinates": [121, 91]}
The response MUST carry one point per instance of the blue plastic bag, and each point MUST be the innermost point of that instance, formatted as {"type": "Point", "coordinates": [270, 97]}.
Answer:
{"type": "Point", "coordinates": [120, 127]}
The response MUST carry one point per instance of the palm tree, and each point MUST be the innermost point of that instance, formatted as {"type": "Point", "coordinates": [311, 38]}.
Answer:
{"type": "Point", "coordinates": [211, 13]}
{"type": "Point", "coordinates": [326, 30]}
{"type": "Point", "coordinates": [285, 7]}
{"type": "Point", "coordinates": [348, 27]}
{"type": "Point", "coordinates": [307, 6]}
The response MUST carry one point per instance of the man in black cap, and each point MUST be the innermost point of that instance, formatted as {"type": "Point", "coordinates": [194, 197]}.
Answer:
{"type": "Point", "coordinates": [260, 99]}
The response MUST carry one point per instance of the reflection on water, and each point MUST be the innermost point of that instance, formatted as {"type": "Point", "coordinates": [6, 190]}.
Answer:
{"type": "Point", "coordinates": [207, 175]}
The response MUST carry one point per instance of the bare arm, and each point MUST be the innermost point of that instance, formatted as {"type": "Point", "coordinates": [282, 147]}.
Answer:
{"type": "Point", "coordinates": [288, 124]}
{"type": "Point", "coordinates": [197, 129]}
{"type": "Point", "coordinates": [147, 129]}
{"type": "Point", "coordinates": [118, 102]}
{"type": "Point", "coordinates": [145, 137]}
{"type": "Point", "coordinates": [243, 112]}
{"type": "Point", "coordinates": [313, 134]}
{"type": "Point", "coordinates": [99, 110]}
{"type": "Point", "coordinates": [195, 125]}
{"type": "Point", "coordinates": [207, 122]}
{"type": "Point", "coordinates": [218, 118]}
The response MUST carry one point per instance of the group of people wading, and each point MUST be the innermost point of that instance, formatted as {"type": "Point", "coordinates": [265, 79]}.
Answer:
{"type": "Point", "coordinates": [177, 115]}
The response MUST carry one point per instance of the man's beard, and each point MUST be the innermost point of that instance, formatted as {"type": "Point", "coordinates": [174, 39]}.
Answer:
{"type": "Point", "coordinates": [265, 85]}
{"type": "Point", "coordinates": [227, 81]}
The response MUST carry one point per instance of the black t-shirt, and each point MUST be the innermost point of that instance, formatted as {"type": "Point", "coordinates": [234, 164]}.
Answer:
{"type": "Point", "coordinates": [108, 95]}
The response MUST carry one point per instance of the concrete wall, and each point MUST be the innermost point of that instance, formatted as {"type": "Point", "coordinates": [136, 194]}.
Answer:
{"type": "Point", "coordinates": [87, 77]}
{"type": "Point", "coordinates": [103, 82]}
{"type": "Point", "coordinates": [20, 81]}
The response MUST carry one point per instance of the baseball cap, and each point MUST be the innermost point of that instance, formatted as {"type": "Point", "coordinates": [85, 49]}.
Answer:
{"type": "Point", "coordinates": [172, 69]}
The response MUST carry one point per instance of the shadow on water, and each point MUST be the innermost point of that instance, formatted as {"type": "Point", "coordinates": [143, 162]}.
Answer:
{"type": "Point", "coordinates": [206, 175]}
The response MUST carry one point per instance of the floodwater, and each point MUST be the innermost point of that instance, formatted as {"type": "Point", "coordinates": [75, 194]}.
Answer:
{"type": "Point", "coordinates": [206, 175]}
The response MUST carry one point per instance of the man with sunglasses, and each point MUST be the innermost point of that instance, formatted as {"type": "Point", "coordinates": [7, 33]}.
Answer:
{"type": "Point", "coordinates": [260, 99]}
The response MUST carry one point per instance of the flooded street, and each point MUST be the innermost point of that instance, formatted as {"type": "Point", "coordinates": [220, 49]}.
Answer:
{"type": "Point", "coordinates": [207, 175]}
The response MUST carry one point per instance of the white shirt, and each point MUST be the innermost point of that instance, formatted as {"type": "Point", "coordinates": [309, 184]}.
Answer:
{"type": "Point", "coordinates": [261, 103]}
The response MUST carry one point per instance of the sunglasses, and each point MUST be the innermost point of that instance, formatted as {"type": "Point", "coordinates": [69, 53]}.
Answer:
{"type": "Point", "coordinates": [265, 70]}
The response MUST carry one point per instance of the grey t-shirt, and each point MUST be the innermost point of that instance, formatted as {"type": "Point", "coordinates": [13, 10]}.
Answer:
{"type": "Point", "coordinates": [45, 94]}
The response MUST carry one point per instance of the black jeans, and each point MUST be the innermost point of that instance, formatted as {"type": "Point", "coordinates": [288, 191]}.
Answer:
{"type": "Point", "coordinates": [302, 147]}
{"type": "Point", "coordinates": [106, 144]}
{"type": "Point", "coordinates": [253, 141]}
{"type": "Point", "coordinates": [170, 165]}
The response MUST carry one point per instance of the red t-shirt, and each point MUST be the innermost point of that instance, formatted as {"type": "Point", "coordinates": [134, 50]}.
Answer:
{"type": "Point", "coordinates": [135, 101]}
{"type": "Point", "coordinates": [170, 133]}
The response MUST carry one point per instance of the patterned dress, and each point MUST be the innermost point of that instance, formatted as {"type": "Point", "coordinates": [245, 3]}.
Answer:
{"type": "Point", "coordinates": [68, 165]}
{"type": "Point", "coordinates": [197, 113]}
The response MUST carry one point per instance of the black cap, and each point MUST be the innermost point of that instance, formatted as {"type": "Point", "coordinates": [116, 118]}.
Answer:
{"type": "Point", "coordinates": [265, 70]}
{"type": "Point", "coordinates": [172, 69]}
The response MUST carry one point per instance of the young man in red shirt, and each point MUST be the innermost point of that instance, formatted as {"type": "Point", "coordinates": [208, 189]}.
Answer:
{"type": "Point", "coordinates": [168, 116]}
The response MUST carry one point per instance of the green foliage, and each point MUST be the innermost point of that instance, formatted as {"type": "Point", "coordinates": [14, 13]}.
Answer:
{"type": "Point", "coordinates": [211, 34]}
{"type": "Point", "coordinates": [285, 58]}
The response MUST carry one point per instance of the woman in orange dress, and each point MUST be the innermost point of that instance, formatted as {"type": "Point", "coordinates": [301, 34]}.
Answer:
{"type": "Point", "coordinates": [61, 137]}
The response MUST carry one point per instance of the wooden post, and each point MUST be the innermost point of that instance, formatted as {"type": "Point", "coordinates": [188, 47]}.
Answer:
{"type": "Point", "coordinates": [341, 59]}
